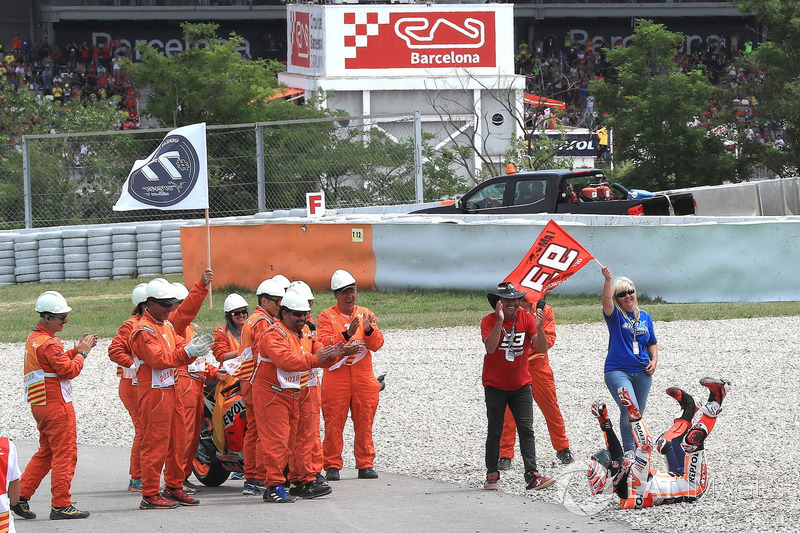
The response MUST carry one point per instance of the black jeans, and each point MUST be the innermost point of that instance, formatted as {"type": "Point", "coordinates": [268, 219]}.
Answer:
{"type": "Point", "coordinates": [521, 404]}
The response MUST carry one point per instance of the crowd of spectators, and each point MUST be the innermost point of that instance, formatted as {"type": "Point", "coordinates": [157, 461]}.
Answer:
{"type": "Point", "coordinates": [71, 74]}
{"type": "Point", "coordinates": [561, 70]}
{"type": "Point", "coordinates": [555, 68]}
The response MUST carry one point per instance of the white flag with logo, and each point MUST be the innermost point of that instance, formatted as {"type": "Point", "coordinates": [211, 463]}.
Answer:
{"type": "Point", "coordinates": [174, 176]}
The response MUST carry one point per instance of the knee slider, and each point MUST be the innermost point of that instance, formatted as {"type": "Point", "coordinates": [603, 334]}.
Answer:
{"type": "Point", "coordinates": [694, 438]}
{"type": "Point", "coordinates": [663, 445]}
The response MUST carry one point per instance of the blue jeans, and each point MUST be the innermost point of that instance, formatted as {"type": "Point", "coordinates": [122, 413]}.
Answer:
{"type": "Point", "coordinates": [638, 384]}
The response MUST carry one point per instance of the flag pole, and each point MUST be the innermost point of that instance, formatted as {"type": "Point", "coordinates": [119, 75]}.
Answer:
{"type": "Point", "coordinates": [208, 260]}
{"type": "Point", "coordinates": [598, 262]}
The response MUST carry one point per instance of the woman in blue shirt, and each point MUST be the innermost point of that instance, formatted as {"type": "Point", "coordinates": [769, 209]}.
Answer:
{"type": "Point", "coordinates": [632, 348]}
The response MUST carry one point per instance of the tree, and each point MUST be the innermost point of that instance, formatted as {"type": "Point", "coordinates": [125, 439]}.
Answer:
{"type": "Point", "coordinates": [208, 82]}
{"type": "Point", "coordinates": [652, 107]}
{"type": "Point", "coordinates": [777, 92]}
{"type": "Point", "coordinates": [529, 151]}
{"type": "Point", "coordinates": [64, 173]}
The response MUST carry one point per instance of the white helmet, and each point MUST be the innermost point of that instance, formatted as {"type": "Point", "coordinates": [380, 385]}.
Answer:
{"type": "Point", "coordinates": [270, 287]}
{"type": "Point", "coordinates": [303, 288]}
{"type": "Point", "coordinates": [234, 301]}
{"type": "Point", "coordinates": [52, 302]}
{"type": "Point", "coordinates": [295, 301]}
{"type": "Point", "coordinates": [138, 295]}
{"type": "Point", "coordinates": [341, 279]}
{"type": "Point", "coordinates": [282, 280]}
{"type": "Point", "coordinates": [161, 289]}
{"type": "Point", "coordinates": [181, 289]}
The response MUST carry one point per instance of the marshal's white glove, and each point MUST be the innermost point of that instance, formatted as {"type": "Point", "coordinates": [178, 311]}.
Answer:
{"type": "Point", "coordinates": [200, 345]}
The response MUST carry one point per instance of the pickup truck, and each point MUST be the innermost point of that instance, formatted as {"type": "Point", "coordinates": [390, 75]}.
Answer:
{"type": "Point", "coordinates": [580, 191]}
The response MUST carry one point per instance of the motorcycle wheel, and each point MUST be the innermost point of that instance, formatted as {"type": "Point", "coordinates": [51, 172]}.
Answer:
{"type": "Point", "coordinates": [210, 475]}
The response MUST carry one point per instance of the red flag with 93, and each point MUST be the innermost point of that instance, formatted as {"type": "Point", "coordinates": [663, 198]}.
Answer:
{"type": "Point", "coordinates": [552, 259]}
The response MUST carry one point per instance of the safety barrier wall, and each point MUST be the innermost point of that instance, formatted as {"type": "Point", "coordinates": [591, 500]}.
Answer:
{"type": "Point", "coordinates": [679, 259]}
{"type": "Point", "coordinates": [777, 197]}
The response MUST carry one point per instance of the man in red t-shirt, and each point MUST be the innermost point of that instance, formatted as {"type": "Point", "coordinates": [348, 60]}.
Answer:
{"type": "Point", "coordinates": [509, 336]}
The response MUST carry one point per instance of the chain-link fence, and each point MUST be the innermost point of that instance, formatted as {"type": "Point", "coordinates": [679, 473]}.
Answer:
{"type": "Point", "coordinates": [65, 179]}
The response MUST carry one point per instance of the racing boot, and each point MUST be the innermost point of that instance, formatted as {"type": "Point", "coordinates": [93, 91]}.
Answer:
{"type": "Point", "coordinates": [687, 403]}
{"type": "Point", "coordinates": [717, 390]}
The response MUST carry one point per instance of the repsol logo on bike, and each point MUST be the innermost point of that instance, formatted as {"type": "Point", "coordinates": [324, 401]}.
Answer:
{"type": "Point", "coordinates": [230, 415]}
{"type": "Point", "coordinates": [168, 176]}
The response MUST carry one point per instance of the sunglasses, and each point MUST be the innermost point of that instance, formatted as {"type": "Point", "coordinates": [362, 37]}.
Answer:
{"type": "Point", "coordinates": [299, 314]}
{"type": "Point", "coordinates": [622, 294]}
{"type": "Point", "coordinates": [167, 303]}
{"type": "Point", "coordinates": [62, 318]}
{"type": "Point", "coordinates": [347, 290]}
{"type": "Point", "coordinates": [239, 313]}
{"type": "Point", "coordinates": [271, 299]}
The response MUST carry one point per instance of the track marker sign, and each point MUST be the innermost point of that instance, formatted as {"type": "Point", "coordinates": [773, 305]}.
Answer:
{"type": "Point", "coordinates": [315, 204]}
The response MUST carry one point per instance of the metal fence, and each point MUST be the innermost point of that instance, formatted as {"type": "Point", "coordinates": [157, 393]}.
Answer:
{"type": "Point", "coordinates": [66, 179]}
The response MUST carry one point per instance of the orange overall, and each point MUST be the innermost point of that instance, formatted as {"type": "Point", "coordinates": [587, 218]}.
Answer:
{"type": "Point", "coordinates": [181, 318]}
{"type": "Point", "coordinates": [284, 393]}
{"type": "Point", "coordinates": [350, 387]}
{"type": "Point", "coordinates": [191, 389]}
{"type": "Point", "coordinates": [190, 384]}
{"type": "Point", "coordinates": [159, 352]}
{"type": "Point", "coordinates": [120, 352]}
{"type": "Point", "coordinates": [543, 388]}
{"type": "Point", "coordinates": [224, 343]}
{"type": "Point", "coordinates": [48, 371]}
{"type": "Point", "coordinates": [316, 455]}
{"type": "Point", "coordinates": [257, 323]}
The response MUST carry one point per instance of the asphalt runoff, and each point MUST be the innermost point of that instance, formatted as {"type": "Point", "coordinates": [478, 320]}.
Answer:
{"type": "Point", "coordinates": [391, 503]}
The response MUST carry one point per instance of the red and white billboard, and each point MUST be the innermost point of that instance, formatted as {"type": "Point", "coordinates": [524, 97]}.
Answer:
{"type": "Point", "coordinates": [392, 40]}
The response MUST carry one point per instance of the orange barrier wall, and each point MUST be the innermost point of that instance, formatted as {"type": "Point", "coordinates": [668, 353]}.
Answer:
{"type": "Point", "coordinates": [245, 255]}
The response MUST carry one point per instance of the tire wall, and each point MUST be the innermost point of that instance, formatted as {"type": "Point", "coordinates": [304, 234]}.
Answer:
{"type": "Point", "coordinates": [90, 253]}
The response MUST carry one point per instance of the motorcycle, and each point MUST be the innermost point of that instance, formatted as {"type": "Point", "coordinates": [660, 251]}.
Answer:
{"type": "Point", "coordinates": [220, 451]}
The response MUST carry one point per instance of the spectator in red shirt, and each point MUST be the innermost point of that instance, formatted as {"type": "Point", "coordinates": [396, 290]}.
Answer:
{"type": "Point", "coordinates": [508, 336]}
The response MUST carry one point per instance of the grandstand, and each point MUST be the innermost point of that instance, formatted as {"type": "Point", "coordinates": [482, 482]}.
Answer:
{"type": "Point", "coordinates": [263, 22]}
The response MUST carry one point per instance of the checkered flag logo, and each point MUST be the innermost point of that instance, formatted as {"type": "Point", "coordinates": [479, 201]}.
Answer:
{"type": "Point", "coordinates": [359, 26]}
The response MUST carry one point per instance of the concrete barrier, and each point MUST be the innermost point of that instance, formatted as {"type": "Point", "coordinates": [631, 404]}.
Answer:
{"type": "Point", "coordinates": [678, 259]}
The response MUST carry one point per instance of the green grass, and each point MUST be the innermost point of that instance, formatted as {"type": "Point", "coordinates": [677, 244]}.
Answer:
{"type": "Point", "coordinates": [100, 307]}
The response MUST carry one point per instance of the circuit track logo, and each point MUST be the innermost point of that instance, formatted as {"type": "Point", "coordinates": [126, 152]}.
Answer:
{"type": "Point", "coordinates": [418, 33]}
{"type": "Point", "coordinates": [169, 176]}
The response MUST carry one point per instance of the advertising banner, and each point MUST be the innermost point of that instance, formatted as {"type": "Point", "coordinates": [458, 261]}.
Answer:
{"type": "Point", "coordinates": [395, 40]}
